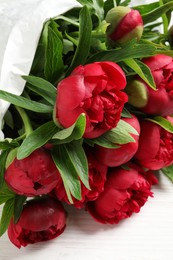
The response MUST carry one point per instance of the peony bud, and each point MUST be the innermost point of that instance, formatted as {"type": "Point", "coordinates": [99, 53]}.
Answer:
{"type": "Point", "coordinates": [137, 93]}
{"type": "Point", "coordinates": [125, 24]}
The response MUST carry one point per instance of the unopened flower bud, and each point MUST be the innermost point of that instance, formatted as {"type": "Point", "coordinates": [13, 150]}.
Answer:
{"type": "Point", "coordinates": [137, 93]}
{"type": "Point", "coordinates": [125, 24]}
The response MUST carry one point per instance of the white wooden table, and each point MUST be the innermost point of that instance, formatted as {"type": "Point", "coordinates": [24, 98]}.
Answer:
{"type": "Point", "coordinates": [147, 235]}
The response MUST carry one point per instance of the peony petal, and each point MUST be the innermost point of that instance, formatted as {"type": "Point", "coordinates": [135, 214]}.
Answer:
{"type": "Point", "coordinates": [70, 93]}
{"type": "Point", "coordinates": [157, 62]}
{"type": "Point", "coordinates": [18, 180]}
{"type": "Point", "coordinates": [68, 117]}
{"type": "Point", "coordinates": [149, 141]}
{"type": "Point", "coordinates": [121, 179]}
{"type": "Point", "coordinates": [45, 213]}
{"type": "Point", "coordinates": [114, 73]}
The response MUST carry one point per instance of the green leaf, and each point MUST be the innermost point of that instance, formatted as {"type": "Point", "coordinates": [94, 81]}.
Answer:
{"type": "Point", "coordinates": [8, 143]}
{"type": "Point", "coordinates": [7, 214]}
{"type": "Point", "coordinates": [18, 206]}
{"type": "Point", "coordinates": [11, 155]}
{"type": "Point", "coordinates": [142, 70]}
{"type": "Point", "coordinates": [157, 13]}
{"type": "Point", "coordinates": [119, 135]}
{"type": "Point", "coordinates": [79, 160]}
{"type": "Point", "coordinates": [3, 158]}
{"type": "Point", "coordinates": [125, 3]}
{"type": "Point", "coordinates": [54, 66]}
{"type": "Point", "coordinates": [146, 8]}
{"type": "Point", "coordinates": [67, 19]}
{"type": "Point", "coordinates": [40, 83]}
{"type": "Point", "coordinates": [67, 46]}
{"type": "Point", "coordinates": [75, 131]}
{"type": "Point", "coordinates": [39, 59]}
{"type": "Point", "coordinates": [168, 171]}
{"type": "Point", "coordinates": [102, 141]}
{"type": "Point", "coordinates": [83, 47]}
{"type": "Point", "coordinates": [164, 123]}
{"type": "Point", "coordinates": [129, 51]}
{"type": "Point", "coordinates": [109, 4]}
{"type": "Point", "coordinates": [51, 99]}
{"type": "Point", "coordinates": [36, 139]}
{"type": "Point", "coordinates": [126, 113]}
{"type": "Point", "coordinates": [25, 103]}
{"type": "Point", "coordinates": [6, 194]}
{"type": "Point", "coordinates": [95, 6]}
{"type": "Point", "coordinates": [165, 52]}
{"type": "Point", "coordinates": [98, 6]}
{"type": "Point", "coordinates": [67, 170]}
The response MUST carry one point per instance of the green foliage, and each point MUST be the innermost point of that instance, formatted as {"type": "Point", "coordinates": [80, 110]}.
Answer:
{"type": "Point", "coordinates": [74, 132]}
{"type": "Point", "coordinates": [119, 135]}
{"type": "Point", "coordinates": [168, 171]}
{"type": "Point", "coordinates": [36, 139]}
{"type": "Point", "coordinates": [25, 102]}
{"type": "Point", "coordinates": [54, 66]}
{"type": "Point", "coordinates": [84, 41]}
{"type": "Point", "coordinates": [142, 70]}
{"type": "Point", "coordinates": [164, 123]}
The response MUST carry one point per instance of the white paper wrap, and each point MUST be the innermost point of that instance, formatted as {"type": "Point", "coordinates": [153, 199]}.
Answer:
{"type": "Point", "coordinates": [21, 25]}
{"type": "Point", "coordinates": [22, 41]}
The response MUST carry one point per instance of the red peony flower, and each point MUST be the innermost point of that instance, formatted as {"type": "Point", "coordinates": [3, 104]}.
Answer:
{"type": "Point", "coordinates": [126, 191]}
{"type": "Point", "coordinates": [34, 175]}
{"type": "Point", "coordinates": [160, 102]}
{"type": "Point", "coordinates": [116, 157]}
{"type": "Point", "coordinates": [125, 24]}
{"type": "Point", "coordinates": [93, 89]}
{"type": "Point", "coordinates": [41, 220]}
{"type": "Point", "coordinates": [155, 149]}
{"type": "Point", "coordinates": [97, 178]}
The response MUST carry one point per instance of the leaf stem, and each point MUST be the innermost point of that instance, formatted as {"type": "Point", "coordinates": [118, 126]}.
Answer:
{"type": "Point", "coordinates": [95, 34]}
{"type": "Point", "coordinates": [25, 119]}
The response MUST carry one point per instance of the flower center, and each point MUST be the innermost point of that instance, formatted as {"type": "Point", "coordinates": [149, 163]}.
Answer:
{"type": "Point", "coordinates": [166, 147]}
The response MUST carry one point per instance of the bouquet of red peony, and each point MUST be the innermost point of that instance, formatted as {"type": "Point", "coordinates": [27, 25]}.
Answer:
{"type": "Point", "coordinates": [94, 123]}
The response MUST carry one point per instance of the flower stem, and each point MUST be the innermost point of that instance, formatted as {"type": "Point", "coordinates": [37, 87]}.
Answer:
{"type": "Point", "coordinates": [25, 119]}
{"type": "Point", "coordinates": [165, 20]}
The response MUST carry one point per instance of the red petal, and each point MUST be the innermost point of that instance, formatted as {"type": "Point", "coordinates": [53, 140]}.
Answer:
{"type": "Point", "coordinates": [114, 73]}
{"type": "Point", "coordinates": [120, 178]}
{"type": "Point", "coordinates": [70, 93]}
{"type": "Point", "coordinates": [158, 61]}
{"type": "Point", "coordinates": [149, 141]}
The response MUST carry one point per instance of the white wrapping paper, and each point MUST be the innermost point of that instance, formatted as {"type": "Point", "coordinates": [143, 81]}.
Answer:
{"type": "Point", "coordinates": [21, 23]}
{"type": "Point", "coordinates": [22, 41]}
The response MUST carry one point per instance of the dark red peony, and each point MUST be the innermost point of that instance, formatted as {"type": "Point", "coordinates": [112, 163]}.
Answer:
{"type": "Point", "coordinates": [95, 90]}
{"type": "Point", "coordinates": [97, 178]}
{"type": "Point", "coordinates": [41, 220]}
{"type": "Point", "coordinates": [33, 175]}
{"type": "Point", "coordinates": [155, 149]}
{"type": "Point", "coordinates": [118, 156]}
{"type": "Point", "coordinates": [125, 192]}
